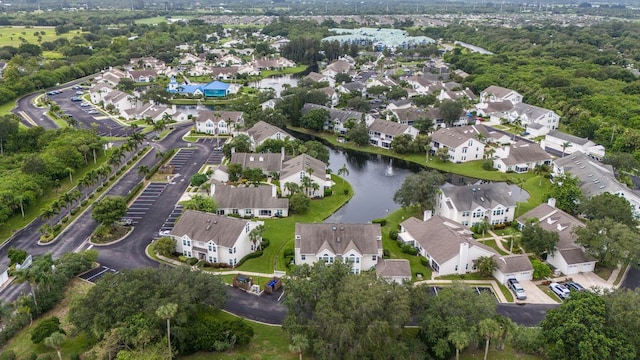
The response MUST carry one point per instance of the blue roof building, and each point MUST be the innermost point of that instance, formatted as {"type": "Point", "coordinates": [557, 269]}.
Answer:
{"type": "Point", "coordinates": [212, 89]}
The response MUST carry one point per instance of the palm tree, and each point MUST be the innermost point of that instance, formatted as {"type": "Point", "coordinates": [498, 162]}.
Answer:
{"type": "Point", "coordinates": [541, 170]}
{"type": "Point", "coordinates": [292, 188]}
{"type": "Point", "coordinates": [168, 311]}
{"type": "Point", "coordinates": [460, 340]}
{"type": "Point", "coordinates": [488, 328]}
{"type": "Point", "coordinates": [481, 137]}
{"type": "Point", "coordinates": [144, 171]}
{"type": "Point", "coordinates": [55, 341]}
{"type": "Point", "coordinates": [565, 145]}
{"type": "Point", "coordinates": [343, 171]}
{"type": "Point", "coordinates": [256, 234]}
{"type": "Point", "coordinates": [70, 172]}
{"type": "Point", "coordinates": [299, 343]}
{"type": "Point", "coordinates": [315, 187]}
{"type": "Point", "coordinates": [160, 154]}
{"type": "Point", "coordinates": [486, 265]}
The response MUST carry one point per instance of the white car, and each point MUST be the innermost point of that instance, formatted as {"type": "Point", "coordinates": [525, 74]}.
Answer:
{"type": "Point", "coordinates": [560, 290]}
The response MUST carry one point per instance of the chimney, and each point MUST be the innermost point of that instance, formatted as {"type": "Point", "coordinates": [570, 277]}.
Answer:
{"type": "Point", "coordinates": [212, 189]}
{"type": "Point", "coordinates": [427, 215]}
{"type": "Point", "coordinates": [274, 191]}
{"type": "Point", "coordinates": [551, 202]}
{"type": "Point", "coordinates": [464, 254]}
{"type": "Point", "coordinates": [282, 152]}
{"type": "Point", "coordinates": [174, 109]}
{"type": "Point", "coordinates": [233, 150]}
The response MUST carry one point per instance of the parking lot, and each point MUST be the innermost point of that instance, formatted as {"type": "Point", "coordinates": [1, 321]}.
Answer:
{"type": "Point", "coordinates": [95, 274]}
{"type": "Point", "coordinates": [478, 289]}
{"type": "Point", "coordinates": [144, 202]}
{"type": "Point", "coordinates": [180, 159]}
{"type": "Point", "coordinates": [216, 154]}
{"type": "Point", "coordinates": [170, 222]}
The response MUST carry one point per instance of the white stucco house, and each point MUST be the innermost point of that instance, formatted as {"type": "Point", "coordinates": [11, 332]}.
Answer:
{"type": "Point", "coordinates": [448, 246]}
{"type": "Point", "coordinates": [249, 201]}
{"type": "Point", "coordinates": [520, 157]}
{"type": "Point", "coordinates": [382, 132]}
{"type": "Point", "coordinates": [469, 205]}
{"type": "Point", "coordinates": [394, 270]}
{"type": "Point", "coordinates": [296, 169]}
{"type": "Point", "coordinates": [214, 238]}
{"type": "Point", "coordinates": [499, 94]}
{"type": "Point", "coordinates": [262, 131]}
{"type": "Point", "coordinates": [516, 266]}
{"type": "Point", "coordinates": [560, 142]}
{"type": "Point", "coordinates": [462, 143]}
{"type": "Point", "coordinates": [357, 244]}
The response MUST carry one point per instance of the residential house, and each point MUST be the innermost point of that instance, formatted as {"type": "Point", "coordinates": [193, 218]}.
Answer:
{"type": "Point", "coordinates": [384, 82]}
{"type": "Point", "coordinates": [262, 131]}
{"type": "Point", "coordinates": [528, 114]}
{"type": "Point", "coordinates": [520, 157]}
{"type": "Point", "coordinates": [218, 122]}
{"type": "Point", "coordinates": [111, 76]}
{"type": "Point", "coordinates": [99, 91]}
{"type": "Point", "coordinates": [568, 257]}
{"type": "Point", "coordinates": [270, 104]}
{"type": "Point", "coordinates": [214, 238]}
{"type": "Point", "coordinates": [448, 246]}
{"type": "Point", "coordinates": [436, 70]}
{"type": "Point", "coordinates": [339, 66]}
{"type": "Point", "coordinates": [423, 86]}
{"type": "Point", "coordinates": [517, 266]}
{"type": "Point", "coordinates": [407, 116]}
{"type": "Point", "coordinates": [462, 143]}
{"type": "Point", "coordinates": [468, 205]}
{"type": "Point", "coordinates": [269, 163]}
{"type": "Point", "coordinates": [357, 244]}
{"type": "Point", "coordinates": [559, 143]}
{"type": "Point", "coordinates": [337, 118]}
{"type": "Point", "coordinates": [496, 111]}
{"type": "Point", "coordinates": [455, 95]}
{"type": "Point", "coordinates": [121, 101]}
{"type": "Point", "coordinates": [493, 136]}
{"type": "Point", "coordinates": [354, 88]}
{"type": "Point", "coordinates": [316, 77]}
{"type": "Point", "coordinates": [394, 270]}
{"type": "Point", "coordinates": [499, 94]}
{"type": "Point", "coordinates": [400, 104]}
{"type": "Point", "coordinates": [595, 178]}
{"type": "Point", "coordinates": [212, 89]}
{"type": "Point", "coordinates": [248, 201]}
{"type": "Point", "coordinates": [224, 73]}
{"type": "Point", "coordinates": [332, 95]}
{"type": "Point", "coordinates": [228, 60]}
{"type": "Point", "coordinates": [382, 132]}
{"type": "Point", "coordinates": [142, 75]}
{"type": "Point", "coordinates": [304, 166]}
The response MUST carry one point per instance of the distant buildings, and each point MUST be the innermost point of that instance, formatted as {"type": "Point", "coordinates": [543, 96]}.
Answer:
{"type": "Point", "coordinates": [378, 38]}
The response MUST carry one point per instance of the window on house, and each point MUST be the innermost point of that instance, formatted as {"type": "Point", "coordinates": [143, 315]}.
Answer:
{"type": "Point", "coordinates": [234, 249]}
{"type": "Point", "coordinates": [246, 228]}
{"type": "Point", "coordinates": [464, 150]}
{"type": "Point", "coordinates": [456, 269]}
{"type": "Point", "coordinates": [303, 257]}
{"type": "Point", "coordinates": [465, 214]}
{"type": "Point", "coordinates": [374, 258]}
{"type": "Point", "coordinates": [230, 251]}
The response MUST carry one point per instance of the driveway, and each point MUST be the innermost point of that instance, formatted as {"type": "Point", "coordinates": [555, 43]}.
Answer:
{"type": "Point", "coordinates": [534, 294]}
{"type": "Point", "coordinates": [590, 280]}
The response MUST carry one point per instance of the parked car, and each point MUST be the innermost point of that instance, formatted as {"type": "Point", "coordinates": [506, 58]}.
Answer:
{"type": "Point", "coordinates": [517, 289]}
{"type": "Point", "coordinates": [560, 290]}
{"type": "Point", "coordinates": [574, 286]}
{"type": "Point", "coordinates": [75, 98]}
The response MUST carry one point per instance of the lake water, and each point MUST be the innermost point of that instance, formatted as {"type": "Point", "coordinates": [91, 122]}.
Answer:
{"type": "Point", "coordinates": [473, 48]}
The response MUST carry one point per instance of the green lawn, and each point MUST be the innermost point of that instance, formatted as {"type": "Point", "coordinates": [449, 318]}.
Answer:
{"type": "Point", "coordinates": [5, 109]}
{"type": "Point", "coordinates": [280, 232]}
{"type": "Point", "coordinates": [13, 36]}
{"type": "Point", "coordinates": [292, 70]}
{"type": "Point", "coordinates": [492, 243]}
{"type": "Point", "coordinates": [151, 21]}
{"type": "Point", "coordinates": [537, 190]}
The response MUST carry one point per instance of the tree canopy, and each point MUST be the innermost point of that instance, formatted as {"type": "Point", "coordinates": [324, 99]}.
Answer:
{"type": "Point", "coordinates": [420, 189]}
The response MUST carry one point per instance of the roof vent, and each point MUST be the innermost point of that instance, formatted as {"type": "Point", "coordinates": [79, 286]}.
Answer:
{"type": "Point", "coordinates": [334, 228]}
{"type": "Point", "coordinates": [481, 198]}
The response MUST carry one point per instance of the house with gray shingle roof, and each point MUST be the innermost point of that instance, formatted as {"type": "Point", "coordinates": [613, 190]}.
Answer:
{"type": "Point", "coordinates": [595, 178]}
{"type": "Point", "coordinates": [262, 131]}
{"type": "Point", "coordinates": [497, 94]}
{"type": "Point", "coordinates": [529, 114]}
{"type": "Point", "coordinates": [354, 88]}
{"type": "Point", "coordinates": [254, 201]}
{"type": "Point", "coordinates": [462, 143]}
{"type": "Point", "coordinates": [337, 67]}
{"type": "Point", "coordinates": [520, 157]}
{"type": "Point", "coordinates": [358, 244]}
{"type": "Point", "coordinates": [218, 122]}
{"type": "Point", "coordinates": [469, 205]}
{"type": "Point", "coordinates": [569, 257]}
{"type": "Point", "coordinates": [447, 245]}
{"type": "Point", "coordinates": [214, 238]}
{"type": "Point", "coordinates": [337, 118]}
{"type": "Point", "coordinates": [397, 270]}
{"type": "Point", "coordinates": [555, 139]}
{"type": "Point", "coordinates": [517, 266]}
{"type": "Point", "coordinates": [296, 169]}
{"type": "Point", "coordinates": [382, 132]}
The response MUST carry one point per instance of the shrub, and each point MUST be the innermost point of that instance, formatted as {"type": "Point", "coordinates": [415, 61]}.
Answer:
{"type": "Point", "coordinates": [119, 171]}
{"type": "Point", "coordinates": [45, 328]}
{"type": "Point", "coordinates": [65, 219]}
{"type": "Point", "coordinates": [112, 177]}
{"type": "Point", "coordinates": [408, 249]}
{"type": "Point", "coordinates": [91, 196]}
{"type": "Point", "coordinates": [98, 189]}
{"type": "Point", "coordinates": [346, 191]}
{"type": "Point", "coordinates": [33, 356]}
{"type": "Point", "coordinates": [328, 192]}
{"type": "Point", "coordinates": [8, 355]}
{"type": "Point", "coordinates": [393, 234]}
{"type": "Point", "coordinates": [386, 253]}
{"type": "Point", "coordinates": [424, 261]}
{"type": "Point", "coordinates": [74, 211]}
{"type": "Point", "coordinates": [289, 252]}
{"type": "Point", "coordinates": [84, 202]}
{"type": "Point", "coordinates": [265, 243]}
{"type": "Point", "coordinates": [253, 255]}
{"type": "Point", "coordinates": [382, 222]}
{"type": "Point", "coordinates": [488, 165]}
{"type": "Point", "coordinates": [74, 356]}
{"type": "Point", "coordinates": [182, 258]}
{"type": "Point", "coordinates": [192, 261]}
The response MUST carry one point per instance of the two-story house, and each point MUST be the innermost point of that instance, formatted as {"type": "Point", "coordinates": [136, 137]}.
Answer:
{"type": "Point", "coordinates": [249, 201]}
{"type": "Point", "coordinates": [499, 94]}
{"type": "Point", "coordinates": [568, 257]}
{"type": "Point", "coordinates": [520, 157]}
{"type": "Point", "coordinates": [304, 166]}
{"type": "Point", "coordinates": [469, 205]}
{"type": "Point", "coordinates": [262, 131]}
{"type": "Point", "coordinates": [528, 115]}
{"type": "Point", "coordinates": [357, 244]}
{"type": "Point", "coordinates": [562, 143]}
{"type": "Point", "coordinates": [448, 246]}
{"type": "Point", "coordinates": [462, 143]}
{"type": "Point", "coordinates": [214, 238]}
{"type": "Point", "coordinates": [337, 118]}
{"type": "Point", "coordinates": [382, 132]}
{"type": "Point", "coordinates": [218, 122]}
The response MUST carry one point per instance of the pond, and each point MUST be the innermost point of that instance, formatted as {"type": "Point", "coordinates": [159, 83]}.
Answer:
{"type": "Point", "coordinates": [375, 179]}
{"type": "Point", "coordinates": [278, 83]}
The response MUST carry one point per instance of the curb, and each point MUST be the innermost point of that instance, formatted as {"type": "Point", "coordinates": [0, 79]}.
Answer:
{"type": "Point", "coordinates": [131, 228]}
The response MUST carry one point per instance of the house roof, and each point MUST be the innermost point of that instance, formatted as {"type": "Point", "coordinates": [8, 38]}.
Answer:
{"type": "Point", "coordinates": [228, 196]}
{"type": "Point", "coordinates": [595, 178]}
{"type": "Point", "coordinates": [335, 114]}
{"type": "Point", "coordinates": [409, 114]}
{"type": "Point", "coordinates": [388, 268]}
{"type": "Point", "coordinates": [205, 227]}
{"type": "Point", "coordinates": [339, 66]}
{"type": "Point", "coordinates": [498, 107]}
{"type": "Point", "coordinates": [487, 196]}
{"type": "Point", "coordinates": [441, 237]}
{"type": "Point", "coordinates": [302, 163]}
{"type": "Point", "coordinates": [354, 86]}
{"type": "Point", "coordinates": [145, 73]}
{"type": "Point", "coordinates": [568, 137]}
{"type": "Point", "coordinates": [513, 263]}
{"type": "Point", "coordinates": [267, 162]}
{"type": "Point", "coordinates": [227, 116]}
{"type": "Point", "coordinates": [388, 127]}
{"type": "Point", "coordinates": [455, 136]}
{"type": "Point", "coordinates": [328, 90]}
{"type": "Point", "coordinates": [263, 130]}
{"type": "Point", "coordinates": [556, 220]}
{"type": "Point", "coordinates": [315, 76]}
{"type": "Point", "coordinates": [575, 256]}
{"type": "Point", "coordinates": [215, 85]}
{"type": "Point", "coordinates": [532, 112]}
{"type": "Point", "coordinates": [338, 238]}
{"type": "Point", "coordinates": [524, 152]}
{"type": "Point", "coordinates": [498, 91]}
